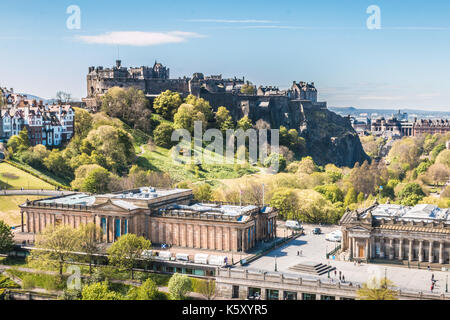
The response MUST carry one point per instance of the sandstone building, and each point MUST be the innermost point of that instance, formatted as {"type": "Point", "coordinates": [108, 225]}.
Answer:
{"type": "Point", "coordinates": [162, 216]}
{"type": "Point", "coordinates": [395, 232]}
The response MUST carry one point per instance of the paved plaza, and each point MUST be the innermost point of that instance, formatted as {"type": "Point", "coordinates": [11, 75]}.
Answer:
{"type": "Point", "coordinates": [313, 248]}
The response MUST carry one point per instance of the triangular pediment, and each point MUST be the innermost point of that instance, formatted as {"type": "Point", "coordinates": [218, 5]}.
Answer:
{"type": "Point", "coordinates": [358, 228]}
{"type": "Point", "coordinates": [109, 206]}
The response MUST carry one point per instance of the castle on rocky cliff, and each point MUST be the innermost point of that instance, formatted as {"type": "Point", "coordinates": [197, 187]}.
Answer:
{"type": "Point", "coordinates": [276, 107]}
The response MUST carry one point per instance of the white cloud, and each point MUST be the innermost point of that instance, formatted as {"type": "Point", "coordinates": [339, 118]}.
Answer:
{"type": "Point", "coordinates": [232, 21]}
{"type": "Point", "coordinates": [139, 38]}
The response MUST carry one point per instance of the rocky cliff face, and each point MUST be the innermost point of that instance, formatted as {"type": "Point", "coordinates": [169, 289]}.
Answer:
{"type": "Point", "coordinates": [330, 138]}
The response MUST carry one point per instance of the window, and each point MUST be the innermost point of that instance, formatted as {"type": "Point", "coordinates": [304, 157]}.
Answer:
{"type": "Point", "coordinates": [308, 296]}
{"type": "Point", "coordinates": [272, 294]}
{"type": "Point", "coordinates": [235, 292]}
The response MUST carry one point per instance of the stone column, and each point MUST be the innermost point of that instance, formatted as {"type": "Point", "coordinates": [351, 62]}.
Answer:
{"type": "Point", "coordinates": [350, 242]}
{"type": "Point", "coordinates": [400, 250]}
{"type": "Point", "coordinates": [430, 252]}
{"type": "Point", "coordinates": [391, 249]}
{"type": "Point", "coordinates": [441, 252]}
{"type": "Point", "coordinates": [382, 248]}
{"type": "Point", "coordinates": [410, 250]}
{"type": "Point", "coordinates": [367, 249]}
{"type": "Point", "coordinates": [421, 251]}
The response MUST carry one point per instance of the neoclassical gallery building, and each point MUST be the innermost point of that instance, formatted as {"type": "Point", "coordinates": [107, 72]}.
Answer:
{"type": "Point", "coordinates": [390, 231]}
{"type": "Point", "coordinates": [163, 216]}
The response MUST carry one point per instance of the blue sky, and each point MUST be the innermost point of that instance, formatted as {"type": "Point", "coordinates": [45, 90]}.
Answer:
{"type": "Point", "coordinates": [405, 64]}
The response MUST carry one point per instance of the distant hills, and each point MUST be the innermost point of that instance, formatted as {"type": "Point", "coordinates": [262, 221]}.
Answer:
{"type": "Point", "coordinates": [412, 113]}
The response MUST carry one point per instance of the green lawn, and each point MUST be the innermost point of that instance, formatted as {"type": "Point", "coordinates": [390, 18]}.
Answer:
{"type": "Point", "coordinates": [160, 159]}
{"type": "Point", "coordinates": [9, 208]}
{"type": "Point", "coordinates": [14, 178]}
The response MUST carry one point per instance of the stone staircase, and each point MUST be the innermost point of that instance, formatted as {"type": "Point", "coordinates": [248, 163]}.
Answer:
{"type": "Point", "coordinates": [312, 268]}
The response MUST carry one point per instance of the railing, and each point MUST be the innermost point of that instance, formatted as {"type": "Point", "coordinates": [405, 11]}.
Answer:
{"type": "Point", "coordinates": [334, 251]}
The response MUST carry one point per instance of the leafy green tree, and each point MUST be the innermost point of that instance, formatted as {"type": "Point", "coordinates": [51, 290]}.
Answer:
{"type": "Point", "coordinates": [147, 291]}
{"type": "Point", "coordinates": [444, 158]}
{"type": "Point", "coordinates": [187, 115]}
{"type": "Point", "coordinates": [437, 150]}
{"type": "Point", "coordinates": [203, 192]}
{"type": "Point", "coordinates": [126, 250]}
{"type": "Point", "coordinates": [351, 197]}
{"type": "Point", "coordinates": [331, 192]}
{"type": "Point", "coordinates": [200, 105]}
{"type": "Point", "coordinates": [90, 237]}
{"type": "Point", "coordinates": [272, 159]}
{"type": "Point", "coordinates": [20, 142]}
{"type": "Point", "coordinates": [167, 103]}
{"type": "Point", "coordinates": [307, 166]}
{"type": "Point", "coordinates": [99, 291]}
{"type": "Point", "coordinates": [377, 290]}
{"type": "Point", "coordinates": [97, 181]}
{"type": "Point", "coordinates": [83, 123]}
{"type": "Point", "coordinates": [58, 164]}
{"type": "Point", "coordinates": [162, 135]}
{"type": "Point", "coordinates": [207, 288]}
{"type": "Point", "coordinates": [6, 238]}
{"type": "Point", "coordinates": [245, 123]}
{"type": "Point", "coordinates": [58, 244]}
{"type": "Point", "coordinates": [113, 147]}
{"type": "Point", "coordinates": [411, 194]}
{"type": "Point", "coordinates": [223, 119]}
{"type": "Point", "coordinates": [129, 105]}
{"type": "Point", "coordinates": [248, 89]}
{"type": "Point", "coordinates": [179, 286]}
{"type": "Point", "coordinates": [286, 202]}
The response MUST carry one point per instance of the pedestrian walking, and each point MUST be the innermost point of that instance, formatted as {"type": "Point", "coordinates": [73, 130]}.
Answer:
{"type": "Point", "coordinates": [298, 253]}
{"type": "Point", "coordinates": [343, 278]}
{"type": "Point", "coordinates": [335, 272]}
{"type": "Point", "coordinates": [428, 268]}
{"type": "Point", "coordinates": [432, 277]}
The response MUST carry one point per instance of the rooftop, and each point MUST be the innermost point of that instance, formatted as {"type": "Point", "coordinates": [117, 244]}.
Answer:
{"type": "Point", "coordinates": [418, 213]}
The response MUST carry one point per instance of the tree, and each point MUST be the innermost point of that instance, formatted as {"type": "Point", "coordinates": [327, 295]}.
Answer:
{"type": "Point", "coordinates": [6, 238]}
{"type": "Point", "coordinates": [245, 123]}
{"type": "Point", "coordinates": [58, 244]}
{"type": "Point", "coordinates": [63, 97]}
{"type": "Point", "coordinates": [248, 89]}
{"type": "Point", "coordinates": [20, 142]}
{"type": "Point", "coordinates": [83, 123]}
{"type": "Point", "coordinates": [90, 236]}
{"type": "Point", "coordinates": [223, 119]}
{"type": "Point", "coordinates": [203, 192]}
{"type": "Point", "coordinates": [126, 250]}
{"type": "Point", "coordinates": [377, 290]}
{"type": "Point", "coordinates": [331, 192]}
{"type": "Point", "coordinates": [207, 288]}
{"type": "Point", "coordinates": [186, 116]}
{"type": "Point", "coordinates": [147, 291]}
{"type": "Point", "coordinates": [444, 158]}
{"type": "Point", "coordinates": [167, 103]}
{"type": "Point", "coordinates": [200, 105]}
{"type": "Point", "coordinates": [99, 291]}
{"type": "Point", "coordinates": [350, 197]}
{"type": "Point", "coordinates": [272, 159]}
{"type": "Point", "coordinates": [162, 135]}
{"type": "Point", "coordinates": [286, 202]}
{"type": "Point", "coordinates": [129, 105]}
{"type": "Point", "coordinates": [438, 173]}
{"type": "Point", "coordinates": [437, 150]}
{"type": "Point", "coordinates": [411, 194]}
{"type": "Point", "coordinates": [112, 147]}
{"type": "Point", "coordinates": [58, 164]}
{"type": "Point", "coordinates": [97, 181]}
{"type": "Point", "coordinates": [179, 286]}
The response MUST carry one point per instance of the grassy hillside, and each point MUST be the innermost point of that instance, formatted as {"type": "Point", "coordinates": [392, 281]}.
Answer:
{"type": "Point", "coordinates": [159, 159]}
{"type": "Point", "coordinates": [14, 178]}
{"type": "Point", "coordinates": [9, 208]}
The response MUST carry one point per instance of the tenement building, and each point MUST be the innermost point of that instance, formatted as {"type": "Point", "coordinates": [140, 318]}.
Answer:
{"type": "Point", "coordinates": [391, 231]}
{"type": "Point", "coordinates": [162, 216]}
